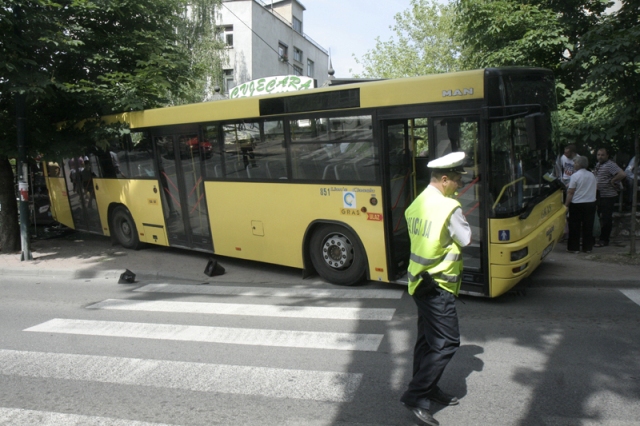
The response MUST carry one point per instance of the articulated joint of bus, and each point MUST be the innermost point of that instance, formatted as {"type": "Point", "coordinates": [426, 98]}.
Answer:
{"type": "Point", "coordinates": [518, 246]}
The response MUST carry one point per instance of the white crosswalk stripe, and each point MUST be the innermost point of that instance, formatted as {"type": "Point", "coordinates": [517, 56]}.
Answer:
{"type": "Point", "coordinates": [231, 379]}
{"type": "Point", "coordinates": [281, 305]}
{"type": "Point", "coordinates": [283, 311]}
{"type": "Point", "coordinates": [633, 294]}
{"type": "Point", "coordinates": [273, 292]}
{"type": "Point", "coordinates": [238, 336]}
{"type": "Point", "coordinates": [20, 417]}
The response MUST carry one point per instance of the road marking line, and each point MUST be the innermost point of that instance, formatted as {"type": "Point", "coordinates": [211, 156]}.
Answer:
{"type": "Point", "coordinates": [632, 294]}
{"type": "Point", "coordinates": [282, 311]}
{"type": "Point", "coordinates": [272, 291]}
{"type": "Point", "coordinates": [228, 379]}
{"type": "Point", "coordinates": [20, 417]}
{"type": "Point", "coordinates": [193, 333]}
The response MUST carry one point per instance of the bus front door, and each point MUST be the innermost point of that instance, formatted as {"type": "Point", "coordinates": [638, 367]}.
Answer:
{"type": "Point", "coordinates": [183, 199]}
{"type": "Point", "coordinates": [462, 133]}
{"type": "Point", "coordinates": [412, 143]}
{"type": "Point", "coordinates": [399, 135]}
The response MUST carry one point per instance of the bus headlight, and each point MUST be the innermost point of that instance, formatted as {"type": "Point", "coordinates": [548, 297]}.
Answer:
{"type": "Point", "coordinates": [520, 254]}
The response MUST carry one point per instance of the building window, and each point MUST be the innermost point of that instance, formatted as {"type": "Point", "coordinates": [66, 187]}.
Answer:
{"type": "Point", "coordinates": [297, 25]}
{"type": "Point", "coordinates": [309, 67]}
{"type": "Point", "coordinates": [229, 82]}
{"type": "Point", "coordinates": [297, 54]}
{"type": "Point", "coordinates": [283, 52]}
{"type": "Point", "coordinates": [297, 70]}
{"type": "Point", "coordinates": [226, 35]}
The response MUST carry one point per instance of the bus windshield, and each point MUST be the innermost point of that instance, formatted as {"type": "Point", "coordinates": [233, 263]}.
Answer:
{"type": "Point", "coordinates": [517, 171]}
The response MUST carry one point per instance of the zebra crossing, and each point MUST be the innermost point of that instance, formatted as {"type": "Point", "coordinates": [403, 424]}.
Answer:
{"type": "Point", "coordinates": [262, 381]}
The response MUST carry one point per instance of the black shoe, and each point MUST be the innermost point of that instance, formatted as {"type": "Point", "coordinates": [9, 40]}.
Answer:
{"type": "Point", "coordinates": [424, 415]}
{"type": "Point", "coordinates": [443, 398]}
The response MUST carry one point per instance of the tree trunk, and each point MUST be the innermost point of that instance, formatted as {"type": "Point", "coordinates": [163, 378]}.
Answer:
{"type": "Point", "coordinates": [9, 225]}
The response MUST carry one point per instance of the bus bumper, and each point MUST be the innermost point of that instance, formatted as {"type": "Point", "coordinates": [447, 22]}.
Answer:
{"type": "Point", "coordinates": [504, 273]}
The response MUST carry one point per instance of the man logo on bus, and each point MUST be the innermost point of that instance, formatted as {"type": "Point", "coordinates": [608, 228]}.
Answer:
{"type": "Point", "coordinates": [504, 235]}
{"type": "Point", "coordinates": [349, 200]}
{"type": "Point", "coordinates": [457, 92]}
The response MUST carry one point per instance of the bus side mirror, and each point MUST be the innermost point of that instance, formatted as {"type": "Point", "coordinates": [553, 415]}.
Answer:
{"type": "Point", "coordinates": [538, 130]}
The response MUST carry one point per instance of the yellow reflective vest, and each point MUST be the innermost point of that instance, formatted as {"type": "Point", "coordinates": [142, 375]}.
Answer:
{"type": "Point", "coordinates": [432, 248]}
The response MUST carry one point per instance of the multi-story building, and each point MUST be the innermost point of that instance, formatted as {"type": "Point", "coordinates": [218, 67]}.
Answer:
{"type": "Point", "coordinates": [267, 39]}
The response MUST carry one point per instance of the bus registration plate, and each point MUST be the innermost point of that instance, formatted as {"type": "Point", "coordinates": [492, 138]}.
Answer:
{"type": "Point", "coordinates": [547, 250]}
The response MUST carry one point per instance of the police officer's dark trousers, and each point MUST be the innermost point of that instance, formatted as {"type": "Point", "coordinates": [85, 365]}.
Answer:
{"type": "Point", "coordinates": [437, 342]}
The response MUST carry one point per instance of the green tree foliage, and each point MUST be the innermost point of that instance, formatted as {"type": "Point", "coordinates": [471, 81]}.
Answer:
{"type": "Point", "coordinates": [426, 44]}
{"type": "Point", "coordinates": [571, 37]}
{"type": "Point", "coordinates": [77, 60]}
{"type": "Point", "coordinates": [607, 104]}
{"type": "Point", "coordinates": [504, 33]}
{"type": "Point", "coordinates": [198, 33]}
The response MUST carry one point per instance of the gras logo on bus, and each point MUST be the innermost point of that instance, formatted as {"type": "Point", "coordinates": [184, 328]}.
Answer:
{"type": "Point", "coordinates": [269, 85]}
{"type": "Point", "coordinates": [349, 200]}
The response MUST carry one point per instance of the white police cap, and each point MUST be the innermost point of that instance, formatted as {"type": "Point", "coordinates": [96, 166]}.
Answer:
{"type": "Point", "coordinates": [450, 162]}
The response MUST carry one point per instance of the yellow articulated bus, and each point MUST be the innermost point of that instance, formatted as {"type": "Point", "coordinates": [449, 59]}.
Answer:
{"type": "Point", "coordinates": [320, 179]}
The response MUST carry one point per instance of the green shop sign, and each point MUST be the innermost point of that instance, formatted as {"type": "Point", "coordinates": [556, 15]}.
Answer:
{"type": "Point", "coordinates": [269, 85]}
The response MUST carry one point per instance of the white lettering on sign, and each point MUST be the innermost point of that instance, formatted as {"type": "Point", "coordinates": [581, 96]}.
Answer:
{"type": "Point", "coordinates": [269, 85]}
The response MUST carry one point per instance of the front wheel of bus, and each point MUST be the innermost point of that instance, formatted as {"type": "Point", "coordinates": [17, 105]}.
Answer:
{"type": "Point", "coordinates": [124, 228]}
{"type": "Point", "coordinates": [337, 255]}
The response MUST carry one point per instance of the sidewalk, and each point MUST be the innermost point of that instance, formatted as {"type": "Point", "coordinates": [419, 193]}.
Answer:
{"type": "Point", "coordinates": [609, 266]}
{"type": "Point", "coordinates": [78, 255]}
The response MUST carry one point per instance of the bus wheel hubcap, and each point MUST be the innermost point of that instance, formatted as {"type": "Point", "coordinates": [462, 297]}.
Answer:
{"type": "Point", "coordinates": [126, 230]}
{"type": "Point", "coordinates": [337, 251]}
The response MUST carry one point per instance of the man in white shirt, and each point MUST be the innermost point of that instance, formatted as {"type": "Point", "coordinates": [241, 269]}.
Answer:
{"type": "Point", "coordinates": [581, 202]}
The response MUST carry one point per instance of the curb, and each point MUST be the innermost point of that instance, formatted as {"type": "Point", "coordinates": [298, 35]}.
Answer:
{"type": "Point", "coordinates": [109, 274]}
{"type": "Point", "coordinates": [581, 283]}
{"type": "Point", "coordinates": [114, 274]}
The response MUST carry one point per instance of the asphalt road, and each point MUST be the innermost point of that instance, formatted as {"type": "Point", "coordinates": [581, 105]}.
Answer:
{"type": "Point", "coordinates": [91, 351]}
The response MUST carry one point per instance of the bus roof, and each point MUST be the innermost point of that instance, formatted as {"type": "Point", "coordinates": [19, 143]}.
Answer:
{"type": "Point", "coordinates": [464, 85]}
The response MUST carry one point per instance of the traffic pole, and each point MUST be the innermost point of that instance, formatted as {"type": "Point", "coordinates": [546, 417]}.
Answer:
{"type": "Point", "coordinates": [22, 168]}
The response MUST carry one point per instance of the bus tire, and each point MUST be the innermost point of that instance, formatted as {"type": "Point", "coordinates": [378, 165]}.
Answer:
{"type": "Point", "coordinates": [337, 255]}
{"type": "Point", "coordinates": [124, 228]}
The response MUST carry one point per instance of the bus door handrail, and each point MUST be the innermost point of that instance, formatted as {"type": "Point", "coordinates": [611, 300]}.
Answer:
{"type": "Point", "coordinates": [469, 185]}
{"type": "Point", "coordinates": [504, 188]}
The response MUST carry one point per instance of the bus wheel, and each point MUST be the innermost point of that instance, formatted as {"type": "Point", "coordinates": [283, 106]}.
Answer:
{"type": "Point", "coordinates": [337, 255]}
{"type": "Point", "coordinates": [124, 228]}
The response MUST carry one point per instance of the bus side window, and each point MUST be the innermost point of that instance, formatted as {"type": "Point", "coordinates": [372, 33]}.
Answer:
{"type": "Point", "coordinates": [337, 149]}
{"type": "Point", "coordinates": [112, 160]}
{"type": "Point", "coordinates": [255, 150]}
{"type": "Point", "coordinates": [140, 156]}
{"type": "Point", "coordinates": [212, 153]}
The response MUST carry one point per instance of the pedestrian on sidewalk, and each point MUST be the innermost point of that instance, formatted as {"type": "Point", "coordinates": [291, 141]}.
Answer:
{"type": "Point", "coordinates": [608, 175]}
{"type": "Point", "coordinates": [581, 202]}
{"type": "Point", "coordinates": [438, 231]}
{"type": "Point", "coordinates": [567, 162]}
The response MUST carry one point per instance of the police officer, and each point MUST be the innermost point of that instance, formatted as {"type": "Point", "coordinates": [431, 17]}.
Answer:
{"type": "Point", "coordinates": [438, 231]}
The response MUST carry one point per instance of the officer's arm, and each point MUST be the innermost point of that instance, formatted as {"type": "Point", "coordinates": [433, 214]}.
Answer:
{"type": "Point", "coordinates": [459, 228]}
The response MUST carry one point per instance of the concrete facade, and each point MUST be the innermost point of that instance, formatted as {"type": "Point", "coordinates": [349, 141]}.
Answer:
{"type": "Point", "coordinates": [268, 40]}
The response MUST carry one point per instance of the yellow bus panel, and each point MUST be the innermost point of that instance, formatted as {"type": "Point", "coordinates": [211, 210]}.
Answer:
{"type": "Point", "coordinates": [433, 88]}
{"type": "Point", "coordinates": [60, 207]}
{"type": "Point", "coordinates": [541, 239]}
{"type": "Point", "coordinates": [267, 222]}
{"type": "Point", "coordinates": [141, 197]}
{"type": "Point", "coordinates": [519, 228]}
